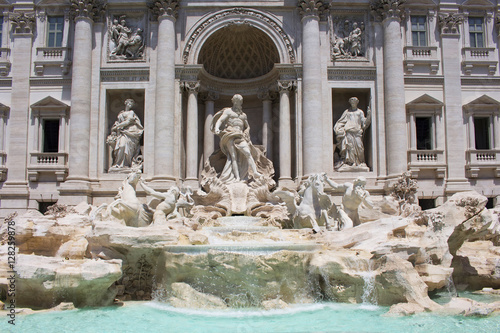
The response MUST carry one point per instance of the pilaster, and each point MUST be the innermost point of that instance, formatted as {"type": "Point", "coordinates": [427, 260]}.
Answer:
{"type": "Point", "coordinates": [449, 24]}
{"type": "Point", "coordinates": [285, 139]}
{"type": "Point", "coordinates": [192, 88]}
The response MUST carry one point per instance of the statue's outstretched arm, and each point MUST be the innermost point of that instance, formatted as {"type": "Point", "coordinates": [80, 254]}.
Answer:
{"type": "Point", "coordinates": [152, 192]}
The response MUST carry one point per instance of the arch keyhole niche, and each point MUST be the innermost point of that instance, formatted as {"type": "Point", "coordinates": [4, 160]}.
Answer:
{"type": "Point", "coordinates": [238, 52]}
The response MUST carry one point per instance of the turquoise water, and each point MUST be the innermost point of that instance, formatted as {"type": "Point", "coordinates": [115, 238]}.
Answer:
{"type": "Point", "coordinates": [326, 317]}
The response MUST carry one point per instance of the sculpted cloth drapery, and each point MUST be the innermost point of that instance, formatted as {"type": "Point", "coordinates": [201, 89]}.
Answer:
{"type": "Point", "coordinates": [125, 138]}
{"type": "Point", "coordinates": [349, 131]}
{"type": "Point", "coordinates": [242, 159]}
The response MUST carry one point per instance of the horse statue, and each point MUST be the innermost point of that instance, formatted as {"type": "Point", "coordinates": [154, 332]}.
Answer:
{"type": "Point", "coordinates": [127, 207]}
{"type": "Point", "coordinates": [311, 210]}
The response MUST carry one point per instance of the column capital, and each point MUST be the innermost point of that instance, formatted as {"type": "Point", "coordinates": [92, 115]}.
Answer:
{"type": "Point", "coordinates": [266, 95]}
{"type": "Point", "coordinates": [164, 8]}
{"type": "Point", "coordinates": [449, 23]}
{"type": "Point", "coordinates": [191, 86]}
{"type": "Point", "coordinates": [388, 9]}
{"type": "Point", "coordinates": [23, 23]}
{"type": "Point", "coordinates": [91, 9]}
{"type": "Point", "coordinates": [210, 95]}
{"type": "Point", "coordinates": [285, 85]}
{"type": "Point", "coordinates": [315, 8]}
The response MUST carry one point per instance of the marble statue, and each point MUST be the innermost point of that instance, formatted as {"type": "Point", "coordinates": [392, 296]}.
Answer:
{"type": "Point", "coordinates": [349, 130]}
{"type": "Point", "coordinates": [355, 40]}
{"type": "Point", "coordinates": [355, 194]}
{"type": "Point", "coordinates": [127, 207]}
{"type": "Point", "coordinates": [124, 140]}
{"type": "Point", "coordinates": [125, 43]}
{"type": "Point", "coordinates": [167, 208]}
{"type": "Point", "coordinates": [244, 161]}
{"type": "Point", "coordinates": [313, 207]}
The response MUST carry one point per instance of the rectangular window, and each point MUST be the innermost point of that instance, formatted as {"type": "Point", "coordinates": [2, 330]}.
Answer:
{"type": "Point", "coordinates": [50, 135]}
{"type": "Point", "coordinates": [427, 203]}
{"type": "Point", "coordinates": [482, 132]}
{"type": "Point", "coordinates": [418, 31]}
{"type": "Point", "coordinates": [476, 31]}
{"type": "Point", "coordinates": [55, 31]}
{"type": "Point", "coordinates": [424, 133]}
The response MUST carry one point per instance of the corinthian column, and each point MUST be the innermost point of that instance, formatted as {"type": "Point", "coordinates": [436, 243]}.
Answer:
{"type": "Point", "coordinates": [311, 91]}
{"type": "Point", "coordinates": [192, 88]}
{"type": "Point", "coordinates": [285, 143]}
{"type": "Point", "coordinates": [267, 97]}
{"type": "Point", "coordinates": [391, 13]}
{"type": "Point", "coordinates": [83, 12]}
{"type": "Point", "coordinates": [166, 12]}
{"type": "Point", "coordinates": [77, 187]}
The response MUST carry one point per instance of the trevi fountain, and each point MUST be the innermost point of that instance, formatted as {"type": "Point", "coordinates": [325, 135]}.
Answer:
{"type": "Point", "coordinates": [240, 254]}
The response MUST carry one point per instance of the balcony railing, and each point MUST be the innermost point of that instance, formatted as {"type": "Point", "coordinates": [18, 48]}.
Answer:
{"type": "Point", "coordinates": [479, 57]}
{"type": "Point", "coordinates": [4, 61]}
{"type": "Point", "coordinates": [52, 56]}
{"type": "Point", "coordinates": [56, 163]}
{"type": "Point", "coordinates": [421, 55]}
{"type": "Point", "coordinates": [419, 160]}
{"type": "Point", "coordinates": [478, 160]}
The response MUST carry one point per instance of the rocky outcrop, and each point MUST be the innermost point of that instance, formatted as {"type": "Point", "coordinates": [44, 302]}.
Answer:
{"type": "Point", "coordinates": [184, 296]}
{"type": "Point", "coordinates": [42, 282]}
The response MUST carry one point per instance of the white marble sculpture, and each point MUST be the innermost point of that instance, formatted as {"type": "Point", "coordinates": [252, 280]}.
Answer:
{"type": "Point", "coordinates": [243, 161]}
{"type": "Point", "coordinates": [125, 43]}
{"type": "Point", "coordinates": [127, 208]}
{"type": "Point", "coordinates": [355, 194]}
{"type": "Point", "coordinates": [349, 130]}
{"type": "Point", "coordinates": [124, 140]}
{"type": "Point", "coordinates": [313, 204]}
{"type": "Point", "coordinates": [167, 208]}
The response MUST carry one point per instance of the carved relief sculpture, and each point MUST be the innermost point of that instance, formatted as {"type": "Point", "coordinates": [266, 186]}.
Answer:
{"type": "Point", "coordinates": [349, 130]}
{"type": "Point", "coordinates": [124, 140]}
{"type": "Point", "coordinates": [125, 42]}
{"type": "Point", "coordinates": [347, 42]}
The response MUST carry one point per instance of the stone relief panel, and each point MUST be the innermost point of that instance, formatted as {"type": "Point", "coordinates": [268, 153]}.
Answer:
{"type": "Point", "coordinates": [348, 37]}
{"type": "Point", "coordinates": [127, 36]}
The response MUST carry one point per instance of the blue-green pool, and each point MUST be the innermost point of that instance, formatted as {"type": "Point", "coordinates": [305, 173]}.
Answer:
{"type": "Point", "coordinates": [323, 317]}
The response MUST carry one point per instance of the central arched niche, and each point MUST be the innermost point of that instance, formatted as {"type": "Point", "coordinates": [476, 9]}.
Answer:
{"type": "Point", "coordinates": [238, 51]}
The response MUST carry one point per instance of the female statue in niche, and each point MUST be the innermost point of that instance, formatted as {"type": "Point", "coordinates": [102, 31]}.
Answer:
{"type": "Point", "coordinates": [125, 139]}
{"type": "Point", "coordinates": [349, 131]}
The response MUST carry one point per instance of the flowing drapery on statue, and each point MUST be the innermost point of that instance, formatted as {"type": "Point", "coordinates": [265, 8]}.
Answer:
{"type": "Point", "coordinates": [125, 140]}
{"type": "Point", "coordinates": [349, 130]}
{"type": "Point", "coordinates": [240, 158]}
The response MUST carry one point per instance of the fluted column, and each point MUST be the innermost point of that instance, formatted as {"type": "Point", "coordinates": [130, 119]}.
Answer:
{"type": "Point", "coordinates": [83, 12]}
{"type": "Point", "coordinates": [166, 12]}
{"type": "Point", "coordinates": [311, 78]}
{"type": "Point", "coordinates": [192, 88]}
{"type": "Point", "coordinates": [391, 13]}
{"type": "Point", "coordinates": [449, 24]}
{"type": "Point", "coordinates": [285, 143]}
{"type": "Point", "coordinates": [23, 26]}
{"type": "Point", "coordinates": [267, 97]}
{"type": "Point", "coordinates": [208, 136]}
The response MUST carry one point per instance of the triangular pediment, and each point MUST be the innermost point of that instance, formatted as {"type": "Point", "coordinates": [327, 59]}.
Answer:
{"type": "Point", "coordinates": [49, 101]}
{"type": "Point", "coordinates": [483, 100]}
{"type": "Point", "coordinates": [426, 100]}
{"type": "Point", "coordinates": [477, 3]}
{"type": "Point", "coordinates": [53, 2]}
{"type": "Point", "coordinates": [421, 2]}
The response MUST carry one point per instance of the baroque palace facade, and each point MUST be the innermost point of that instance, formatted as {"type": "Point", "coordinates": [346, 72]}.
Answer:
{"type": "Point", "coordinates": [427, 71]}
